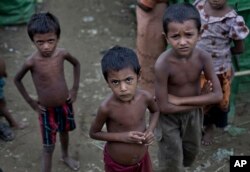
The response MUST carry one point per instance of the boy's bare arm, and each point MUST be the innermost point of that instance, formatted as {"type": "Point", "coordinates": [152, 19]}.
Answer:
{"type": "Point", "coordinates": [153, 119]}
{"type": "Point", "coordinates": [97, 133]}
{"type": "Point", "coordinates": [154, 113]}
{"type": "Point", "coordinates": [76, 72]}
{"type": "Point", "coordinates": [161, 91]}
{"type": "Point", "coordinates": [18, 82]}
{"type": "Point", "coordinates": [214, 96]}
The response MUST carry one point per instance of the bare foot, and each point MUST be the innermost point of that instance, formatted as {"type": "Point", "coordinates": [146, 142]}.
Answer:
{"type": "Point", "coordinates": [207, 138]}
{"type": "Point", "coordinates": [71, 163]}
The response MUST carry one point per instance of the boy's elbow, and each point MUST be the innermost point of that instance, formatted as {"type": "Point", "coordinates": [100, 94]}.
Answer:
{"type": "Point", "coordinates": [165, 110]}
{"type": "Point", "coordinates": [219, 97]}
{"type": "Point", "coordinates": [92, 134]}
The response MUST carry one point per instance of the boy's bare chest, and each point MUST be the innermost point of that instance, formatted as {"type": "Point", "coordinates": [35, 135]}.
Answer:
{"type": "Point", "coordinates": [47, 68]}
{"type": "Point", "coordinates": [180, 73]}
{"type": "Point", "coordinates": [128, 116]}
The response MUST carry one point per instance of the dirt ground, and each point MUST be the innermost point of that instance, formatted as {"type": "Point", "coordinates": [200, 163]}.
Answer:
{"type": "Point", "coordinates": [89, 27]}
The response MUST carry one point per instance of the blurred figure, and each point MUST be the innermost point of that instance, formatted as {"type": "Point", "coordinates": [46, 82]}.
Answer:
{"type": "Point", "coordinates": [4, 111]}
{"type": "Point", "coordinates": [150, 42]}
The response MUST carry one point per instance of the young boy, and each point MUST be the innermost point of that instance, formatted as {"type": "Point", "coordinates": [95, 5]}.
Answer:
{"type": "Point", "coordinates": [178, 92]}
{"type": "Point", "coordinates": [123, 112]}
{"type": "Point", "coordinates": [54, 103]}
{"type": "Point", "coordinates": [4, 111]}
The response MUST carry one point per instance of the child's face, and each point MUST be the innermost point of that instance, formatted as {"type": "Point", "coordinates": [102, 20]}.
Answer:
{"type": "Point", "coordinates": [46, 43]}
{"type": "Point", "coordinates": [217, 4]}
{"type": "Point", "coordinates": [123, 83]}
{"type": "Point", "coordinates": [182, 37]}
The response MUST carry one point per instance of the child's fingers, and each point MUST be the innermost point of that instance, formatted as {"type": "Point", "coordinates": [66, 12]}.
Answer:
{"type": "Point", "coordinates": [149, 142]}
{"type": "Point", "coordinates": [137, 136]}
{"type": "Point", "coordinates": [41, 107]}
{"type": "Point", "coordinates": [138, 133]}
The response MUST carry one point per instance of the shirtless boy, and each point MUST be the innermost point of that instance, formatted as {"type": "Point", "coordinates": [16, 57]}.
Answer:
{"type": "Point", "coordinates": [54, 102]}
{"type": "Point", "coordinates": [178, 92]}
{"type": "Point", "coordinates": [123, 112]}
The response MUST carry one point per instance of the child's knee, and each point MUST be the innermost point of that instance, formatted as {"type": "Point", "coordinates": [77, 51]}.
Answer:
{"type": "Point", "coordinates": [48, 148]}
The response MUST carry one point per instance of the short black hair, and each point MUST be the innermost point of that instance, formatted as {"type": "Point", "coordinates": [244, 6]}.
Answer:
{"type": "Point", "coordinates": [41, 23]}
{"type": "Point", "coordinates": [118, 58]}
{"type": "Point", "coordinates": [180, 13]}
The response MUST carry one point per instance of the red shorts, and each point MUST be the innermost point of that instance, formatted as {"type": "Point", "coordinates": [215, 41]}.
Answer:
{"type": "Point", "coordinates": [56, 119]}
{"type": "Point", "coordinates": [144, 165]}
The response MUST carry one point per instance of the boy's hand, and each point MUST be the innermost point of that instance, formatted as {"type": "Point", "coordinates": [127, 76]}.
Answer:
{"type": "Point", "coordinates": [207, 87]}
{"type": "Point", "coordinates": [173, 99]}
{"type": "Point", "coordinates": [149, 137]}
{"type": "Point", "coordinates": [72, 96]}
{"type": "Point", "coordinates": [134, 137]}
{"type": "Point", "coordinates": [37, 107]}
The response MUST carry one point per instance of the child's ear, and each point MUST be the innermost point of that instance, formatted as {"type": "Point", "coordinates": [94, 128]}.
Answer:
{"type": "Point", "coordinates": [165, 37]}
{"type": "Point", "coordinates": [139, 76]}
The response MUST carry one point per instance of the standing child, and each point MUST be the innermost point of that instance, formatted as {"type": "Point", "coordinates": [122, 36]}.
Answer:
{"type": "Point", "coordinates": [178, 92]}
{"type": "Point", "coordinates": [123, 112]}
{"type": "Point", "coordinates": [221, 26]}
{"type": "Point", "coordinates": [4, 111]}
{"type": "Point", "coordinates": [54, 104]}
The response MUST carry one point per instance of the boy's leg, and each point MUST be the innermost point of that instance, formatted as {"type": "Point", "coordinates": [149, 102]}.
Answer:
{"type": "Point", "coordinates": [6, 113]}
{"type": "Point", "coordinates": [191, 139]}
{"type": "Point", "coordinates": [47, 157]}
{"type": "Point", "coordinates": [208, 125]}
{"type": "Point", "coordinates": [170, 154]}
{"type": "Point", "coordinates": [72, 163]}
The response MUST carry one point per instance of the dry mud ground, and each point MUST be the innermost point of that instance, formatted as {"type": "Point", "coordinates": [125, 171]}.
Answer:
{"type": "Point", "coordinates": [89, 27]}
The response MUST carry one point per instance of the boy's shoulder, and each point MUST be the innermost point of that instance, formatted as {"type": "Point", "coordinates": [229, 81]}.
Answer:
{"type": "Point", "coordinates": [61, 50]}
{"type": "Point", "coordinates": [107, 102]}
{"type": "Point", "coordinates": [143, 96]}
{"type": "Point", "coordinates": [144, 93]}
{"type": "Point", "coordinates": [164, 56]}
{"type": "Point", "coordinates": [200, 53]}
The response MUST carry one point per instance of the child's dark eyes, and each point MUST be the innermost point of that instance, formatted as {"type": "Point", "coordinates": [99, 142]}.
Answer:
{"type": "Point", "coordinates": [129, 80]}
{"type": "Point", "coordinates": [189, 35]}
{"type": "Point", "coordinates": [51, 41]}
{"type": "Point", "coordinates": [40, 42]}
{"type": "Point", "coordinates": [175, 36]}
{"type": "Point", "coordinates": [115, 82]}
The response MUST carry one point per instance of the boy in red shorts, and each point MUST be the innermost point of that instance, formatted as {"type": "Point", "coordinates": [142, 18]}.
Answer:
{"type": "Point", "coordinates": [123, 112]}
{"type": "Point", "coordinates": [54, 103]}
